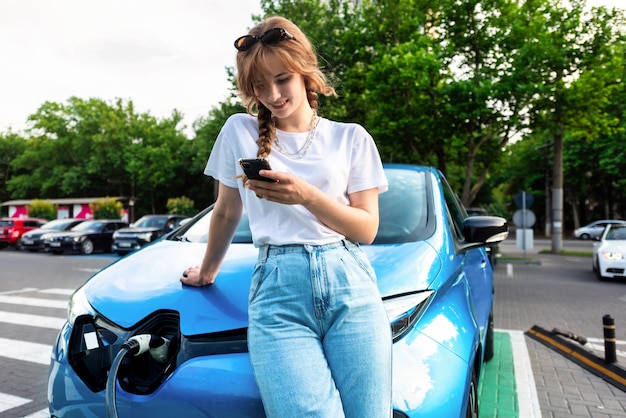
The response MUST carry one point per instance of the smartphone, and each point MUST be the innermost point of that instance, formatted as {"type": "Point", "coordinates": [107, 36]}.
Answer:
{"type": "Point", "coordinates": [251, 167]}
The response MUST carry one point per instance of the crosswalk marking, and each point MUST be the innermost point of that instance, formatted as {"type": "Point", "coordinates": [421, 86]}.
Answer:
{"type": "Point", "coordinates": [25, 351]}
{"type": "Point", "coordinates": [29, 351]}
{"type": "Point", "coordinates": [44, 413]}
{"type": "Point", "coordinates": [56, 291]}
{"type": "Point", "coordinates": [31, 320]}
{"type": "Point", "coordinates": [42, 303]}
{"type": "Point", "coordinates": [9, 401]}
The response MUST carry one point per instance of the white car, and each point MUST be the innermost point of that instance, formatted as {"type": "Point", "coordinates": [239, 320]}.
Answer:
{"type": "Point", "coordinates": [609, 254]}
{"type": "Point", "coordinates": [595, 229]}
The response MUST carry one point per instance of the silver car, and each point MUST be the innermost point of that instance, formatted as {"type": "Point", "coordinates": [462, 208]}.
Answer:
{"type": "Point", "coordinates": [595, 229]}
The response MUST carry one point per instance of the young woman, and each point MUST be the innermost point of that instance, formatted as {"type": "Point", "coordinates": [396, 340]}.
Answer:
{"type": "Point", "coordinates": [319, 338]}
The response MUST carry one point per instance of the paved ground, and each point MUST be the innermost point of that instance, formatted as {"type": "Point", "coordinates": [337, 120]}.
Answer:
{"type": "Point", "coordinates": [559, 291]}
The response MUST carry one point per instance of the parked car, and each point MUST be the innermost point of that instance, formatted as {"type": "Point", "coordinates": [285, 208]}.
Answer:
{"type": "Point", "coordinates": [84, 238]}
{"type": "Point", "coordinates": [147, 229]}
{"type": "Point", "coordinates": [595, 229]}
{"type": "Point", "coordinates": [12, 229]}
{"type": "Point", "coordinates": [32, 240]}
{"type": "Point", "coordinates": [433, 276]}
{"type": "Point", "coordinates": [609, 253]}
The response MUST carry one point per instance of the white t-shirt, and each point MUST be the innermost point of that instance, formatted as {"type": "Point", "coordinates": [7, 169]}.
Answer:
{"type": "Point", "coordinates": [342, 159]}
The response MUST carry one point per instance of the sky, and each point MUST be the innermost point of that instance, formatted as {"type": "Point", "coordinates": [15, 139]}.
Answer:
{"type": "Point", "coordinates": [160, 54]}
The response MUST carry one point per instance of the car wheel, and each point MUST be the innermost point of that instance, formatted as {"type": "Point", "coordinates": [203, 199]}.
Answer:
{"type": "Point", "coordinates": [585, 236]}
{"type": "Point", "coordinates": [86, 247]}
{"type": "Point", "coordinates": [489, 339]}
{"type": "Point", "coordinates": [472, 399]}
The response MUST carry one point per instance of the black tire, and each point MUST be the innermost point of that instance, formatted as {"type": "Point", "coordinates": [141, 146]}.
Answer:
{"type": "Point", "coordinates": [472, 398]}
{"type": "Point", "coordinates": [86, 247]}
{"type": "Point", "coordinates": [489, 339]}
{"type": "Point", "coordinates": [585, 237]}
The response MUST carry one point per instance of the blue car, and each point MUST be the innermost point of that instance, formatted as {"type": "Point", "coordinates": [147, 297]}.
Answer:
{"type": "Point", "coordinates": [190, 356]}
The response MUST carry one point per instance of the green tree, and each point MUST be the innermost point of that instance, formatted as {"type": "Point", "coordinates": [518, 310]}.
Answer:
{"type": "Point", "coordinates": [42, 209]}
{"type": "Point", "coordinates": [11, 146]}
{"type": "Point", "coordinates": [181, 206]}
{"type": "Point", "coordinates": [106, 208]}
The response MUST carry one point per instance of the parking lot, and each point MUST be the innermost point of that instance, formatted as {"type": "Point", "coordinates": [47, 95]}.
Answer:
{"type": "Point", "coordinates": [552, 291]}
{"type": "Point", "coordinates": [525, 379]}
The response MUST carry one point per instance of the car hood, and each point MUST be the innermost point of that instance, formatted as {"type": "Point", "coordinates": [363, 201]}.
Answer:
{"type": "Point", "coordinates": [38, 232]}
{"type": "Point", "coordinates": [134, 287]}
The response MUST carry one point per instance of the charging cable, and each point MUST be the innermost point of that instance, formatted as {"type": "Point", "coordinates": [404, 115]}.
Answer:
{"type": "Point", "coordinates": [135, 345]}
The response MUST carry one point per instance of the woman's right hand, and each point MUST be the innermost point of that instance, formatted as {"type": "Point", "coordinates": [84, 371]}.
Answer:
{"type": "Point", "coordinates": [192, 277]}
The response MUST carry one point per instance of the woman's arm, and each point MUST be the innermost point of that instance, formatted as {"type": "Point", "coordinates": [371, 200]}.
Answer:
{"type": "Point", "coordinates": [224, 220]}
{"type": "Point", "coordinates": [357, 221]}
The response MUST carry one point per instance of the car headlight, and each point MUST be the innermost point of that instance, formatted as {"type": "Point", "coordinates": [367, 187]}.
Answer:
{"type": "Point", "coordinates": [79, 305]}
{"type": "Point", "coordinates": [78, 239]}
{"type": "Point", "coordinates": [611, 255]}
{"type": "Point", "coordinates": [116, 234]}
{"type": "Point", "coordinates": [145, 236]}
{"type": "Point", "coordinates": [404, 310]}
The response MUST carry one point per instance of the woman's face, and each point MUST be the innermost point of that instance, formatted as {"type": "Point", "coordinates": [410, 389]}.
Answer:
{"type": "Point", "coordinates": [281, 91]}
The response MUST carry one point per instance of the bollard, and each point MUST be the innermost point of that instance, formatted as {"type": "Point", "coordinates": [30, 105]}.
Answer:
{"type": "Point", "coordinates": [608, 323]}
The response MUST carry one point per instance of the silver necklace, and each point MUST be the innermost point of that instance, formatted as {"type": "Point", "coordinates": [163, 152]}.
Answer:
{"type": "Point", "coordinates": [307, 144]}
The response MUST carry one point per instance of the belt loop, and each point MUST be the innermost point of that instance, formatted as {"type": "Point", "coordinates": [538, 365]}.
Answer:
{"type": "Point", "coordinates": [263, 251]}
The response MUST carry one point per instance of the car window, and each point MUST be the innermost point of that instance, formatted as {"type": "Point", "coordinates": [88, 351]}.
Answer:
{"type": "Point", "coordinates": [404, 208]}
{"type": "Point", "coordinates": [88, 226]}
{"type": "Point", "coordinates": [6, 223]}
{"type": "Point", "coordinates": [455, 210]}
{"type": "Point", "coordinates": [616, 233]}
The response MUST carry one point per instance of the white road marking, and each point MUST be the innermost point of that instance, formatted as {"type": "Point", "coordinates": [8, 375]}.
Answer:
{"type": "Point", "coordinates": [31, 320]}
{"type": "Point", "coordinates": [66, 292]}
{"type": "Point", "coordinates": [42, 303]}
{"type": "Point", "coordinates": [527, 399]}
{"type": "Point", "coordinates": [44, 413]}
{"type": "Point", "coordinates": [10, 401]}
{"type": "Point", "coordinates": [25, 351]}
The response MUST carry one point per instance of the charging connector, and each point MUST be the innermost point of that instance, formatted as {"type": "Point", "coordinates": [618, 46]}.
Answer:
{"type": "Point", "coordinates": [135, 345]}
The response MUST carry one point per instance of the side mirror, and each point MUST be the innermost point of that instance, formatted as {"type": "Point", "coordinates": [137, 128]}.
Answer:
{"type": "Point", "coordinates": [485, 229]}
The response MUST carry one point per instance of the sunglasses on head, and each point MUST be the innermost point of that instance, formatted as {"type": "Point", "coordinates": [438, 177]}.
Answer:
{"type": "Point", "coordinates": [270, 37]}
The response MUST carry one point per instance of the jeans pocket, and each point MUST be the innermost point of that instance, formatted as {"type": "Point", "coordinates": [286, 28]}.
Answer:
{"type": "Point", "coordinates": [256, 281]}
{"type": "Point", "coordinates": [362, 261]}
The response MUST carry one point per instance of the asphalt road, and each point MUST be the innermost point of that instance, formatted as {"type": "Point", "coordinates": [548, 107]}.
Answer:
{"type": "Point", "coordinates": [34, 290]}
{"type": "Point", "coordinates": [552, 291]}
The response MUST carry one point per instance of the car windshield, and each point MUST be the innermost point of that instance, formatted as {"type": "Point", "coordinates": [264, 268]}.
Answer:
{"type": "Point", "coordinates": [405, 213]}
{"type": "Point", "coordinates": [150, 222]}
{"type": "Point", "coordinates": [88, 226]}
{"type": "Point", "coordinates": [58, 224]}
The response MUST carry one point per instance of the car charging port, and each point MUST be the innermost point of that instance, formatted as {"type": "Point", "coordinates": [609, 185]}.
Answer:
{"type": "Point", "coordinates": [95, 343]}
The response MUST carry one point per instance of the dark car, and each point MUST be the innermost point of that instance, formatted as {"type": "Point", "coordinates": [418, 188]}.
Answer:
{"type": "Point", "coordinates": [432, 274]}
{"type": "Point", "coordinates": [85, 238]}
{"type": "Point", "coordinates": [12, 229]}
{"type": "Point", "coordinates": [32, 240]}
{"type": "Point", "coordinates": [147, 229]}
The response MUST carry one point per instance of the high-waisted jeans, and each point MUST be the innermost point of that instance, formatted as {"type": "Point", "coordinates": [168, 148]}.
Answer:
{"type": "Point", "coordinates": [319, 337]}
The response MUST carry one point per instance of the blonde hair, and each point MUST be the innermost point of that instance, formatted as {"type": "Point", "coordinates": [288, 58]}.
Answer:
{"type": "Point", "coordinates": [296, 55]}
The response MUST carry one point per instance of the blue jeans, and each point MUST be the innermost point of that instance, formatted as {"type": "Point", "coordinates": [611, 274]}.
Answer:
{"type": "Point", "coordinates": [319, 336]}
